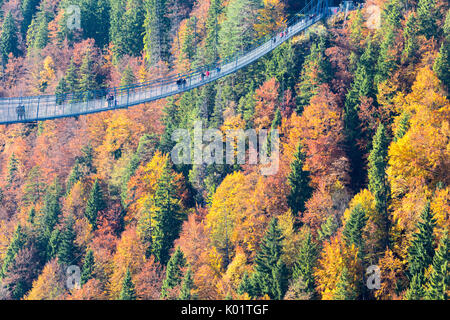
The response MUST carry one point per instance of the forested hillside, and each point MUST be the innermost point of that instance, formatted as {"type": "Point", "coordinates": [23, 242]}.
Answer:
{"type": "Point", "coordinates": [361, 194]}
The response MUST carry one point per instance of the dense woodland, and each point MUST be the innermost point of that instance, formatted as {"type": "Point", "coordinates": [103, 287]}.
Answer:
{"type": "Point", "coordinates": [364, 121]}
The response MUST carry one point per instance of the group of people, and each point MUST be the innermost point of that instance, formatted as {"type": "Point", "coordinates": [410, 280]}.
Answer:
{"type": "Point", "coordinates": [181, 83]}
{"type": "Point", "coordinates": [111, 100]}
{"type": "Point", "coordinates": [204, 74]}
{"type": "Point", "coordinates": [20, 109]}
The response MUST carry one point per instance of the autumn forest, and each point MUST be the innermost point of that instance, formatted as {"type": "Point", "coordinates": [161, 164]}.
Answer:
{"type": "Point", "coordinates": [358, 208]}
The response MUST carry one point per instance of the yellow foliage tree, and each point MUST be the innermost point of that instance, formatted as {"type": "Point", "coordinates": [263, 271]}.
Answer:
{"type": "Point", "coordinates": [334, 258]}
{"type": "Point", "coordinates": [271, 18]}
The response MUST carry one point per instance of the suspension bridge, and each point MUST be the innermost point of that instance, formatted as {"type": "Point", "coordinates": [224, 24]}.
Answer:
{"type": "Point", "coordinates": [47, 107]}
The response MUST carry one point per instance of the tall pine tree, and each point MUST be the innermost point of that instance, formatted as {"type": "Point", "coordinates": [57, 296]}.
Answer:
{"type": "Point", "coordinates": [94, 204]}
{"type": "Point", "coordinates": [378, 184]}
{"type": "Point", "coordinates": [420, 253]}
{"type": "Point", "coordinates": [299, 181]}
{"type": "Point", "coordinates": [270, 275]}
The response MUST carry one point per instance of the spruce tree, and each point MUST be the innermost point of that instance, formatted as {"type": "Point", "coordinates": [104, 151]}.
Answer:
{"type": "Point", "coordinates": [420, 252]}
{"type": "Point", "coordinates": [168, 215]}
{"type": "Point", "coordinates": [88, 81]}
{"type": "Point", "coordinates": [315, 70]}
{"type": "Point", "coordinates": [439, 279]}
{"type": "Point", "coordinates": [299, 180]}
{"type": "Point", "coordinates": [187, 285]}
{"type": "Point", "coordinates": [8, 39]}
{"type": "Point", "coordinates": [13, 166]}
{"type": "Point", "coordinates": [442, 64]}
{"type": "Point", "coordinates": [270, 275]}
{"type": "Point", "coordinates": [94, 204]}
{"type": "Point", "coordinates": [95, 20]}
{"type": "Point", "coordinates": [212, 31]}
{"type": "Point", "coordinates": [378, 184]}
{"type": "Point", "coordinates": [306, 262]}
{"type": "Point", "coordinates": [66, 248]}
{"type": "Point", "coordinates": [156, 31]}
{"type": "Point", "coordinates": [74, 176]}
{"type": "Point", "coordinates": [128, 291]}
{"type": "Point", "coordinates": [174, 272]}
{"type": "Point", "coordinates": [344, 290]}
{"type": "Point", "coordinates": [71, 78]}
{"type": "Point", "coordinates": [88, 270]}
{"type": "Point", "coordinates": [18, 240]}
{"type": "Point", "coordinates": [403, 126]}
{"type": "Point", "coordinates": [28, 9]}
{"type": "Point", "coordinates": [427, 16]}
{"type": "Point", "coordinates": [328, 228]}
{"type": "Point", "coordinates": [353, 230]}
{"type": "Point", "coordinates": [246, 286]}
{"type": "Point", "coordinates": [51, 210]}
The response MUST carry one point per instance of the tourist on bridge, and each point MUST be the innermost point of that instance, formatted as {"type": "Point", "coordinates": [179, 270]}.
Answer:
{"type": "Point", "coordinates": [20, 112]}
{"type": "Point", "coordinates": [207, 74]}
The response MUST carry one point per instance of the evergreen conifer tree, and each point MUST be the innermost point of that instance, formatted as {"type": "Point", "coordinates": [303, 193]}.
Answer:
{"type": "Point", "coordinates": [299, 181]}
{"type": "Point", "coordinates": [94, 204]}
{"type": "Point", "coordinates": [88, 270]}
{"type": "Point", "coordinates": [378, 184]}
{"type": "Point", "coordinates": [270, 275]}
{"type": "Point", "coordinates": [439, 279]}
{"type": "Point", "coordinates": [306, 262]}
{"type": "Point", "coordinates": [174, 272]}
{"type": "Point", "coordinates": [128, 291]}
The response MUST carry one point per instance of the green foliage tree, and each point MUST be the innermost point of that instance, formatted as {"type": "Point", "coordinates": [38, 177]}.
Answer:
{"type": "Point", "coordinates": [18, 240]}
{"type": "Point", "coordinates": [315, 70]}
{"type": "Point", "coordinates": [95, 20]}
{"type": "Point", "coordinates": [236, 32]}
{"type": "Point", "coordinates": [299, 180]}
{"type": "Point", "coordinates": [306, 262]}
{"type": "Point", "coordinates": [174, 272]}
{"type": "Point", "coordinates": [420, 253]}
{"type": "Point", "coordinates": [167, 214]}
{"type": "Point", "coordinates": [378, 184]}
{"type": "Point", "coordinates": [187, 286]}
{"type": "Point", "coordinates": [13, 167]}
{"type": "Point", "coordinates": [439, 279]}
{"type": "Point", "coordinates": [344, 289]}
{"type": "Point", "coordinates": [156, 31]}
{"type": "Point", "coordinates": [212, 31]}
{"type": "Point", "coordinates": [128, 77]}
{"type": "Point", "coordinates": [353, 230]}
{"type": "Point", "coordinates": [128, 291]}
{"type": "Point", "coordinates": [270, 275]}
{"type": "Point", "coordinates": [442, 64]}
{"type": "Point", "coordinates": [9, 42]}
{"type": "Point", "coordinates": [403, 126]}
{"type": "Point", "coordinates": [71, 78]}
{"type": "Point", "coordinates": [94, 204]}
{"type": "Point", "coordinates": [28, 9]}
{"type": "Point", "coordinates": [88, 270]}
{"type": "Point", "coordinates": [66, 249]}
{"type": "Point", "coordinates": [127, 27]}
{"type": "Point", "coordinates": [427, 16]}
